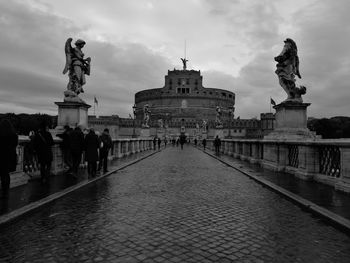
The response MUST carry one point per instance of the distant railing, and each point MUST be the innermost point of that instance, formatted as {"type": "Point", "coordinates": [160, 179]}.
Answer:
{"type": "Point", "coordinates": [327, 161]}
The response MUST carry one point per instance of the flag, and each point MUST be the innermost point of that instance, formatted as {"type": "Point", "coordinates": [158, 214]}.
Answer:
{"type": "Point", "coordinates": [95, 101]}
{"type": "Point", "coordinates": [273, 102]}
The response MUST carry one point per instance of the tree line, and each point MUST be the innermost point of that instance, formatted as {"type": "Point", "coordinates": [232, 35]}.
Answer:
{"type": "Point", "coordinates": [24, 123]}
{"type": "Point", "coordinates": [332, 128]}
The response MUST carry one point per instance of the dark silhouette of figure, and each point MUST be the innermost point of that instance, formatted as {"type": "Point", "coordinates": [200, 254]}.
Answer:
{"type": "Point", "coordinates": [106, 143]}
{"type": "Point", "coordinates": [204, 143]}
{"type": "Point", "coordinates": [91, 146]}
{"type": "Point", "coordinates": [217, 145]}
{"type": "Point", "coordinates": [165, 142]}
{"type": "Point", "coordinates": [195, 142]}
{"type": "Point", "coordinates": [76, 139]}
{"type": "Point", "coordinates": [154, 142]}
{"type": "Point", "coordinates": [182, 140]}
{"type": "Point", "coordinates": [8, 155]}
{"type": "Point", "coordinates": [159, 142]}
{"type": "Point", "coordinates": [43, 146]}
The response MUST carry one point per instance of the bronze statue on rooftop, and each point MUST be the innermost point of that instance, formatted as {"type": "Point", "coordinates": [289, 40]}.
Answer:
{"type": "Point", "coordinates": [287, 68]}
{"type": "Point", "coordinates": [184, 61]}
{"type": "Point", "coordinates": [77, 67]}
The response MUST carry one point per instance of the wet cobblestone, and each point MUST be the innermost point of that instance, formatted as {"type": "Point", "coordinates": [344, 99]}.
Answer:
{"type": "Point", "coordinates": [175, 206]}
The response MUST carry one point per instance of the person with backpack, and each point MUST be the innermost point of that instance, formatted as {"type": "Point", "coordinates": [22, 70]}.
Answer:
{"type": "Point", "coordinates": [105, 146]}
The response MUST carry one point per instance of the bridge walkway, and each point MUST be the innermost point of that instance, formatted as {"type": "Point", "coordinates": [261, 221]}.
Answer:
{"type": "Point", "coordinates": [175, 206]}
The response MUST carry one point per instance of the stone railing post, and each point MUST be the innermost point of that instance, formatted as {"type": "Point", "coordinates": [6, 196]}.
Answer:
{"type": "Point", "coordinates": [343, 183]}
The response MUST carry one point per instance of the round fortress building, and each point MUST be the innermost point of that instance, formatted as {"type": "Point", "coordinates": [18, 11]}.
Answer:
{"type": "Point", "coordinates": [183, 101]}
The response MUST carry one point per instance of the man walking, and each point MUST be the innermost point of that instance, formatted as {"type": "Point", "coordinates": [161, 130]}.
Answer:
{"type": "Point", "coordinates": [217, 144]}
{"type": "Point", "coordinates": [43, 142]}
{"type": "Point", "coordinates": [91, 145]}
{"type": "Point", "coordinates": [204, 143]}
{"type": "Point", "coordinates": [76, 138]}
{"type": "Point", "coordinates": [106, 143]}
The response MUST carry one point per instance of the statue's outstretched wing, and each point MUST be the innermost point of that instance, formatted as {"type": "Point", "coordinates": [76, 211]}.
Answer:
{"type": "Point", "coordinates": [68, 50]}
{"type": "Point", "coordinates": [297, 67]}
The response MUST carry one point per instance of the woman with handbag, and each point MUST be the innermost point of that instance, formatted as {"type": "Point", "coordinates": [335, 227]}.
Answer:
{"type": "Point", "coordinates": [8, 155]}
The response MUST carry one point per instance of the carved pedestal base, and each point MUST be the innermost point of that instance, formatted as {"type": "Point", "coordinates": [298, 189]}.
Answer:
{"type": "Point", "coordinates": [72, 114]}
{"type": "Point", "coordinates": [291, 122]}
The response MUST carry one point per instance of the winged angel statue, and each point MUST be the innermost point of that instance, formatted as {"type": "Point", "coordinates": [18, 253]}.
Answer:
{"type": "Point", "coordinates": [77, 67]}
{"type": "Point", "coordinates": [287, 68]}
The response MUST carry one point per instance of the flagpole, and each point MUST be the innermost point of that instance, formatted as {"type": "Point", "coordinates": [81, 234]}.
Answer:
{"type": "Point", "coordinates": [270, 104]}
{"type": "Point", "coordinates": [94, 106]}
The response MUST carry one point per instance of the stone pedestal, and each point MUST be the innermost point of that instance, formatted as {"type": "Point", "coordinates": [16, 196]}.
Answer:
{"type": "Point", "coordinates": [219, 132]}
{"type": "Point", "coordinates": [291, 122]}
{"type": "Point", "coordinates": [145, 132]}
{"type": "Point", "coordinates": [72, 114]}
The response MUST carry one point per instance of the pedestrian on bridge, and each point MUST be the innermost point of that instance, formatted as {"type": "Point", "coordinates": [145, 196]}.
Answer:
{"type": "Point", "coordinates": [8, 155]}
{"type": "Point", "coordinates": [43, 142]}
{"type": "Point", "coordinates": [182, 140]}
{"type": "Point", "coordinates": [154, 142]}
{"type": "Point", "coordinates": [106, 145]}
{"type": "Point", "coordinates": [204, 143]}
{"type": "Point", "coordinates": [217, 145]}
{"type": "Point", "coordinates": [76, 140]}
{"type": "Point", "coordinates": [159, 143]}
{"type": "Point", "coordinates": [91, 146]}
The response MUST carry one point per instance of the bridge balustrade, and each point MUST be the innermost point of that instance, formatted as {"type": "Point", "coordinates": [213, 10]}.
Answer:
{"type": "Point", "coordinates": [326, 161]}
{"type": "Point", "coordinates": [28, 165]}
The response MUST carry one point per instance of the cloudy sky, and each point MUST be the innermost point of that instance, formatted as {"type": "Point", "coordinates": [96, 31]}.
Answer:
{"type": "Point", "coordinates": [133, 43]}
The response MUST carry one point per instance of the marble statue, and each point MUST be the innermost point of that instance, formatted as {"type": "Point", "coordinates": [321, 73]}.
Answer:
{"type": "Point", "coordinates": [287, 68]}
{"type": "Point", "coordinates": [184, 61]}
{"type": "Point", "coordinates": [77, 67]}
{"type": "Point", "coordinates": [146, 113]}
{"type": "Point", "coordinates": [218, 121]}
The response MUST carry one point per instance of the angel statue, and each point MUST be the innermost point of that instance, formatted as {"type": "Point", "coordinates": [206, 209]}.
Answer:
{"type": "Point", "coordinates": [287, 68]}
{"type": "Point", "coordinates": [146, 113]}
{"type": "Point", "coordinates": [184, 61]}
{"type": "Point", "coordinates": [218, 122]}
{"type": "Point", "coordinates": [77, 67]}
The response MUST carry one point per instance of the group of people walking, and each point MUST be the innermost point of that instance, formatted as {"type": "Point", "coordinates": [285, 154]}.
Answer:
{"type": "Point", "coordinates": [96, 148]}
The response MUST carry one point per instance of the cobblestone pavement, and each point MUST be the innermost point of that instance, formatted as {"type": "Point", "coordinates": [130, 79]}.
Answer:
{"type": "Point", "coordinates": [175, 206]}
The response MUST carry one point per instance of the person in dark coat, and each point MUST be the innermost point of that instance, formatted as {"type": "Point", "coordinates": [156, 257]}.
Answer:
{"type": "Point", "coordinates": [204, 143]}
{"type": "Point", "coordinates": [159, 142]}
{"type": "Point", "coordinates": [217, 145]}
{"type": "Point", "coordinates": [43, 146]}
{"type": "Point", "coordinates": [8, 155]}
{"type": "Point", "coordinates": [182, 140]}
{"type": "Point", "coordinates": [154, 143]}
{"type": "Point", "coordinates": [106, 143]}
{"type": "Point", "coordinates": [76, 140]}
{"type": "Point", "coordinates": [91, 146]}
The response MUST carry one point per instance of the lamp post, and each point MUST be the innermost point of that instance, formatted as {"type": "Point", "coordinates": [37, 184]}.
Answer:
{"type": "Point", "coordinates": [133, 121]}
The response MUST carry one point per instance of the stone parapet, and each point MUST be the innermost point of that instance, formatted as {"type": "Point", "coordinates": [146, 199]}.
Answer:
{"type": "Point", "coordinates": [325, 161]}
